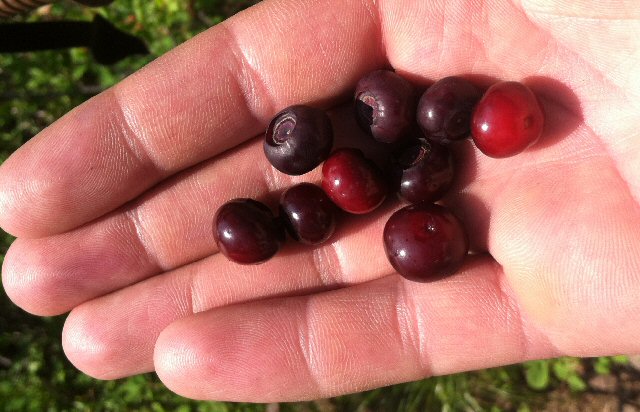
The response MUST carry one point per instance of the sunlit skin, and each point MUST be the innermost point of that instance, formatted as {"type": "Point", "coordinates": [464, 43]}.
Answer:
{"type": "Point", "coordinates": [113, 205]}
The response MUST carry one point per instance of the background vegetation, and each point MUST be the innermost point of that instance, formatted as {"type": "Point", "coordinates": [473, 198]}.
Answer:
{"type": "Point", "coordinates": [37, 88]}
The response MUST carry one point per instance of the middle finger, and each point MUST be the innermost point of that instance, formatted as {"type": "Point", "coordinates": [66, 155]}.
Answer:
{"type": "Point", "coordinates": [114, 336]}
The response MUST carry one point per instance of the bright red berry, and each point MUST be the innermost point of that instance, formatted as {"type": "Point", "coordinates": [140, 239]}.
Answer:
{"type": "Point", "coordinates": [353, 182]}
{"type": "Point", "coordinates": [507, 120]}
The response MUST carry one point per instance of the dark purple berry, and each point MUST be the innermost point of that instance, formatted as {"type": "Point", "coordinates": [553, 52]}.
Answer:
{"type": "Point", "coordinates": [444, 110]}
{"type": "Point", "coordinates": [423, 171]}
{"type": "Point", "coordinates": [425, 242]}
{"type": "Point", "coordinates": [246, 231]}
{"type": "Point", "coordinates": [298, 139]}
{"type": "Point", "coordinates": [385, 105]}
{"type": "Point", "coordinates": [353, 182]}
{"type": "Point", "coordinates": [308, 213]}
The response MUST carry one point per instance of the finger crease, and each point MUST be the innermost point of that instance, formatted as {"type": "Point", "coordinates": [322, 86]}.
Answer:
{"type": "Point", "coordinates": [257, 98]}
{"type": "Point", "coordinates": [133, 217]}
{"type": "Point", "coordinates": [307, 348]}
{"type": "Point", "coordinates": [273, 180]}
{"type": "Point", "coordinates": [327, 267]}
{"type": "Point", "coordinates": [129, 137]}
{"type": "Point", "coordinates": [373, 7]}
{"type": "Point", "coordinates": [411, 329]}
{"type": "Point", "coordinates": [511, 311]}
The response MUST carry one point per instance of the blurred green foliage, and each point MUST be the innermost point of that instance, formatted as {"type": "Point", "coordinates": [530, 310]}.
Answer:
{"type": "Point", "coordinates": [36, 89]}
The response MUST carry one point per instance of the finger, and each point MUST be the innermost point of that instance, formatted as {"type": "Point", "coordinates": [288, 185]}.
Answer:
{"type": "Point", "coordinates": [483, 186]}
{"type": "Point", "coordinates": [614, 65]}
{"type": "Point", "coordinates": [539, 39]}
{"type": "Point", "coordinates": [98, 334]}
{"type": "Point", "coordinates": [371, 335]}
{"type": "Point", "coordinates": [204, 97]}
{"type": "Point", "coordinates": [567, 234]}
{"type": "Point", "coordinates": [168, 227]}
{"type": "Point", "coordinates": [171, 225]}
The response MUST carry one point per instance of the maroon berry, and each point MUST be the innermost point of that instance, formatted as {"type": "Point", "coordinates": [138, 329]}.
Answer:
{"type": "Point", "coordinates": [298, 139]}
{"type": "Point", "coordinates": [385, 105]}
{"type": "Point", "coordinates": [507, 120]}
{"type": "Point", "coordinates": [425, 242]}
{"type": "Point", "coordinates": [353, 182]}
{"type": "Point", "coordinates": [423, 171]}
{"type": "Point", "coordinates": [308, 213]}
{"type": "Point", "coordinates": [444, 110]}
{"type": "Point", "coordinates": [246, 231]}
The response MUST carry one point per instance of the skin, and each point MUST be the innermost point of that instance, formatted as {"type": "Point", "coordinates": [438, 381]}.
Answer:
{"type": "Point", "coordinates": [112, 206]}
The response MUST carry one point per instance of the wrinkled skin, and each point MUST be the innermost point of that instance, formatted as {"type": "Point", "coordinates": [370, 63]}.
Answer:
{"type": "Point", "coordinates": [112, 227]}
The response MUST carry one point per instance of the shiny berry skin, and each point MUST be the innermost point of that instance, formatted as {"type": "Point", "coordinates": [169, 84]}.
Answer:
{"type": "Point", "coordinates": [298, 139]}
{"type": "Point", "coordinates": [444, 110]}
{"type": "Point", "coordinates": [354, 183]}
{"type": "Point", "coordinates": [246, 231]}
{"type": "Point", "coordinates": [385, 105]}
{"type": "Point", "coordinates": [425, 242]}
{"type": "Point", "coordinates": [507, 120]}
{"type": "Point", "coordinates": [309, 215]}
{"type": "Point", "coordinates": [423, 171]}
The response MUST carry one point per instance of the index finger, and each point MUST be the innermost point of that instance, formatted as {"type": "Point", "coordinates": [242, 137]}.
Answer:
{"type": "Point", "coordinates": [204, 97]}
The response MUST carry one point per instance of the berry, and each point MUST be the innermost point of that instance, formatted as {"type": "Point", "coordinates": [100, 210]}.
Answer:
{"type": "Point", "coordinates": [298, 139]}
{"type": "Point", "coordinates": [308, 213]}
{"type": "Point", "coordinates": [423, 171]}
{"type": "Point", "coordinates": [385, 105]}
{"type": "Point", "coordinates": [246, 232]}
{"type": "Point", "coordinates": [425, 242]}
{"type": "Point", "coordinates": [444, 110]}
{"type": "Point", "coordinates": [353, 182]}
{"type": "Point", "coordinates": [507, 120]}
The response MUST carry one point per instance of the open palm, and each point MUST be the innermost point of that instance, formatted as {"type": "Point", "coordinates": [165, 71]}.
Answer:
{"type": "Point", "coordinates": [113, 206]}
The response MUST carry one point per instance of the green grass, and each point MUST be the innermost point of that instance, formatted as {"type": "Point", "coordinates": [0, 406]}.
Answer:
{"type": "Point", "coordinates": [36, 89]}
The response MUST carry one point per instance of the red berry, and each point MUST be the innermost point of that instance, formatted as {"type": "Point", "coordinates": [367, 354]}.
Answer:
{"type": "Point", "coordinates": [444, 110]}
{"type": "Point", "coordinates": [425, 242]}
{"type": "Point", "coordinates": [309, 215]}
{"type": "Point", "coordinates": [246, 231]}
{"type": "Point", "coordinates": [507, 120]}
{"type": "Point", "coordinates": [423, 171]}
{"type": "Point", "coordinates": [353, 182]}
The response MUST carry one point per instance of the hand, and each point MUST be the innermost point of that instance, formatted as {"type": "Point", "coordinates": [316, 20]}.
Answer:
{"type": "Point", "coordinates": [113, 205]}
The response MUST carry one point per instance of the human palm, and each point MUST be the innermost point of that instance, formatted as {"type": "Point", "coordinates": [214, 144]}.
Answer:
{"type": "Point", "coordinates": [113, 206]}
